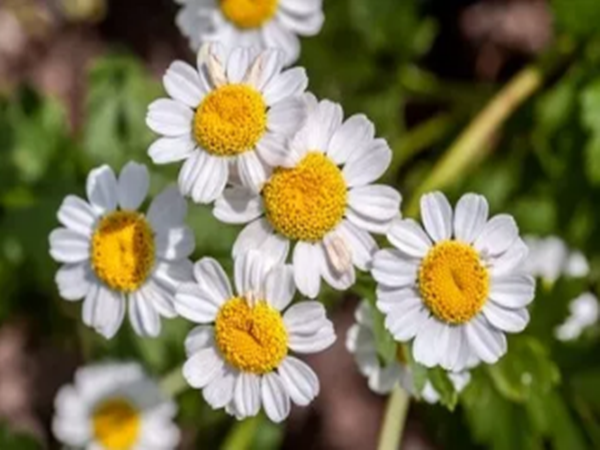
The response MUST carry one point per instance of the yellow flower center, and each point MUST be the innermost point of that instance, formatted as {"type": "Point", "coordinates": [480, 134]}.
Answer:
{"type": "Point", "coordinates": [123, 250]}
{"type": "Point", "coordinates": [249, 13]}
{"type": "Point", "coordinates": [453, 282]}
{"type": "Point", "coordinates": [230, 120]}
{"type": "Point", "coordinates": [252, 338]}
{"type": "Point", "coordinates": [116, 424]}
{"type": "Point", "coordinates": [306, 202]}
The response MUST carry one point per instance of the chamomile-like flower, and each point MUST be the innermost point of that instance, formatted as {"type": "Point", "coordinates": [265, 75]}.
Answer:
{"type": "Point", "coordinates": [113, 255]}
{"type": "Point", "coordinates": [550, 258]}
{"type": "Point", "coordinates": [114, 406]}
{"type": "Point", "coordinates": [231, 114]}
{"type": "Point", "coordinates": [360, 341]}
{"type": "Point", "coordinates": [456, 287]}
{"type": "Point", "coordinates": [239, 356]}
{"type": "Point", "coordinates": [584, 312]}
{"type": "Point", "coordinates": [321, 200]}
{"type": "Point", "coordinates": [259, 23]}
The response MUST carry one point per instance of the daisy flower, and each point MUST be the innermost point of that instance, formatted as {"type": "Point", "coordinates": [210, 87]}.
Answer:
{"type": "Point", "coordinates": [112, 254]}
{"type": "Point", "coordinates": [584, 312]}
{"type": "Point", "coordinates": [114, 406]}
{"type": "Point", "coordinates": [454, 287]}
{"type": "Point", "coordinates": [258, 23]}
{"type": "Point", "coordinates": [550, 258]}
{"type": "Point", "coordinates": [360, 341]}
{"type": "Point", "coordinates": [321, 200]}
{"type": "Point", "coordinates": [230, 114]}
{"type": "Point", "coordinates": [239, 355]}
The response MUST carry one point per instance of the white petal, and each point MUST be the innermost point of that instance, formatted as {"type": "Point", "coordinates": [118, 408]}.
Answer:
{"type": "Point", "coordinates": [182, 82]}
{"type": "Point", "coordinates": [376, 200]}
{"type": "Point", "coordinates": [250, 270]}
{"type": "Point", "coordinates": [370, 224]}
{"type": "Point", "coordinates": [408, 237]}
{"type": "Point", "coordinates": [103, 310]}
{"type": "Point", "coordinates": [247, 394]}
{"type": "Point", "coordinates": [169, 118]}
{"type": "Point", "coordinates": [322, 125]}
{"type": "Point", "coordinates": [307, 262]}
{"type": "Point", "coordinates": [300, 381]}
{"type": "Point", "coordinates": [203, 367]}
{"type": "Point", "coordinates": [74, 280]}
{"type": "Point", "coordinates": [196, 304]}
{"type": "Point", "coordinates": [382, 381]}
{"type": "Point", "coordinates": [312, 343]}
{"type": "Point", "coordinates": [161, 298]}
{"type": "Point", "coordinates": [280, 287]}
{"type": "Point", "coordinates": [510, 260]}
{"type": "Point", "coordinates": [170, 274]}
{"type": "Point", "coordinates": [290, 83]}
{"type": "Point", "coordinates": [361, 243]}
{"type": "Point", "coordinates": [426, 344]}
{"type": "Point", "coordinates": [219, 392]}
{"type": "Point", "coordinates": [389, 298]}
{"type": "Point", "coordinates": [68, 246]}
{"type": "Point", "coordinates": [209, 178]}
{"type": "Point", "coordinates": [391, 268]}
{"type": "Point", "coordinates": [514, 291]}
{"type": "Point", "coordinates": [302, 7]}
{"type": "Point", "coordinates": [253, 236]}
{"type": "Point", "coordinates": [336, 264]}
{"type": "Point", "coordinates": [308, 25]}
{"type": "Point", "coordinates": [509, 320]}
{"type": "Point", "coordinates": [200, 337]}
{"type": "Point", "coordinates": [175, 244]}
{"type": "Point", "coordinates": [436, 213]}
{"type": "Point", "coordinates": [287, 116]}
{"type": "Point", "coordinates": [274, 150]}
{"type": "Point", "coordinates": [488, 343]}
{"type": "Point", "coordinates": [405, 319]}
{"type": "Point", "coordinates": [134, 181]}
{"type": "Point", "coordinates": [101, 188]}
{"type": "Point", "coordinates": [142, 315]}
{"type": "Point", "coordinates": [306, 317]}
{"type": "Point", "coordinates": [238, 64]}
{"type": "Point", "coordinates": [497, 235]}
{"type": "Point", "coordinates": [354, 136]}
{"type": "Point", "coordinates": [451, 341]}
{"type": "Point", "coordinates": [77, 215]}
{"type": "Point", "coordinates": [167, 210]}
{"type": "Point", "coordinates": [369, 166]}
{"type": "Point", "coordinates": [275, 398]}
{"type": "Point", "coordinates": [238, 205]}
{"type": "Point", "coordinates": [470, 217]}
{"type": "Point", "coordinates": [275, 249]}
{"type": "Point", "coordinates": [270, 63]}
{"type": "Point", "coordinates": [276, 36]}
{"type": "Point", "coordinates": [252, 171]}
{"type": "Point", "coordinates": [211, 276]}
{"type": "Point", "coordinates": [171, 149]}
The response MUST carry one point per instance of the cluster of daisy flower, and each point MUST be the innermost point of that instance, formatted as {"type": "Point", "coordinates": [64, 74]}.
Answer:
{"type": "Point", "coordinates": [254, 144]}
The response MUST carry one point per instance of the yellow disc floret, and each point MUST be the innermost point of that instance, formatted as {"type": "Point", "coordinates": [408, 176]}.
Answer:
{"type": "Point", "coordinates": [230, 120]}
{"type": "Point", "coordinates": [249, 13]}
{"type": "Point", "coordinates": [453, 282]}
{"type": "Point", "coordinates": [252, 338]}
{"type": "Point", "coordinates": [306, 202]}
{"type": "Point", "coordinates": [116, 424]}
{"type": "Point", "coordinates": [123, 250]}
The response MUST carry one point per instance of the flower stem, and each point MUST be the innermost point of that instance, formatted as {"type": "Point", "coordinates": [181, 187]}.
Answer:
{"type": "Point", "coordinates": [242, 434]}
{"type": "Point", "coordinates": [394, 420]}
{"type": "Point", "coordinates": [173, 383]}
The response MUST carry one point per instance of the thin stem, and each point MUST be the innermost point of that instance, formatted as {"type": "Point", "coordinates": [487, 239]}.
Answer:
{"type": "Point", "coordinates": [242, 434]}
{"type": "Point", "coordinates": [173, 383]}
{"type": "Point", "coordinates": [473, 140]}
{"type": "Point", "coordinates": [394, 420]}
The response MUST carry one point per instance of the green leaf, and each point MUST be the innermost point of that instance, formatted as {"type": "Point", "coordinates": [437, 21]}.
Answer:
{"type": "Point", "coordinates": [16, 441]}
{"type": "Point", "coordinates": [577, 17]}
{"type": "Point", "coordinates": [384, 341]}
{"type": "Point", "coordinates": [438, 377]}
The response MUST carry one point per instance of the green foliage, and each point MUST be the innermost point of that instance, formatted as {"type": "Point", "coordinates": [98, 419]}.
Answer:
{"type": "Point", "coordinates": [16, 441]}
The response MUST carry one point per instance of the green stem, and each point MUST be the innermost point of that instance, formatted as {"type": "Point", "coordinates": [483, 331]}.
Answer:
{"type": "Point", "coordinates": [173, 383]}
{"type": "Point", "coordinates": [394, 420]}
{"type": "Point", "coordinates": [473, 140]}
{"type": "Point", "coordinates": [242, 434]}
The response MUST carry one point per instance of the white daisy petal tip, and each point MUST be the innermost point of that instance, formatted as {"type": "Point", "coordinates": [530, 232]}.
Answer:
{"type": "Point", "coordinates": [101, 394]}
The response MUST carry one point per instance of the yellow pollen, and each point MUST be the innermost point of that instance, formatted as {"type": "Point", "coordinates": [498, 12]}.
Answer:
{"type": "Point", "coordinates": [249, 13]}
{"type": "Point", "coordinates": [251, 338]}
{"type": "Point", "coordinates": [123, 250]}
{"type": "Point", "coordinates": [230, 120]}
{"type": "Point", "coordinates": [116, 424]}
{"type": "Point", "coordinates": [306, 202]}
{"type": "Point", "coordinates": [453, 282]}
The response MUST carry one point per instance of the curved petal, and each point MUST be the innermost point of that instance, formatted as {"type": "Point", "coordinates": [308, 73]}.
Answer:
{"type": "Point", "coordinates": [280, 287]}
{"type": "Point", "coordinates": [182, 82]}
{"type": "Point", "coordinates": [101, 188]}
{"type": "Point", "coordinates": [171, 149]}
{"type": "Point", "coordinates": [211, 276]}
{"type": "Point", "coordinates": [306, 317]}
{"type": "Point", "coordinates": [77, 215]}
{"type": "Point", "coordinates": [353, 137]}
{"type": "Point", "coordinates": [134, 182]}
{"type": "Point", "coordinates": [426, 348]}
{"type": "Point", "coordinates": [142, 315]}
{"type": "Point", "coordinates": [103, 310]}
{"type": "Point", "coordinates": [312, 343]}
{"type": "Point", "coordinates": [514, 291]}
{"type": "Point", "coordinates": [247, 394]}
{"type": "Point", "coordinates": [238, 205]}
{"type": "Point", "coordinates": [391, 268]}
{"type": "Point", "coordinates": [301, 382]}
{"type": "Point", "coordinates": [252, 171]}
{"type": "Point", "coordinates": [219, 392]}
{"type": "Point", "coordinates": [169, 118]}
{"type": "Point", "coordinates": [200, 337]}
{"type": "Point", "coordinates": [509, 320]}
{"type": "Point", "coordinates": [68, 246]}
{"type": "Point", "coordinates": [470, 217]}
{"type": "Point", "coordinates": [287, 84]}
{"type": "Point", "coordinates": [408, 237]}
{"type": "Point", "coordinates": [488, 343]}
{"type": "Point", "coordinates": [510, 260]}
{"type": "Point", "coordinates": [287, 116]}
{"type": "Point", "coordinates": [377, 201]}
{"type": "Point", "coordinates": [405, 319]}
{"type": "Point", "coordinates": [252, 237]}
{"type": "Point", "coordinates": [436, 213]}
{"type": "Point", "coordinates": [369, 166]}
{"type": "Point", "coordinates": [274, 150]}
{"type": "Point", "coordinates": [196, 304]}
{"type": "Point", "coordinates": [74, 280]}
{"type": "Point", "coordinates": [276, 36]}
{"type": "Point", "coordinates": [306, 262]}
{"type": "Point", "coordinates": [238, 64]}
{"type": "Point", "coordinates": [361, 243]}
{"type": "Point", "coordinates": [275, 398]}
{"type": "Point", "coordinates": [167, 210]}
{"type": "Point", "coordinates": [210, 178]}
{"type": "Point", "coordinates": [177, 243]}
{"type": "Point", "coordinates": [203, 367]}
{"type": "Point", "coordinates": [308, 25]}
{"type": "Point", "coordinates": [336, 264]}
{"type": "Point", "coordinates": [497, 235]}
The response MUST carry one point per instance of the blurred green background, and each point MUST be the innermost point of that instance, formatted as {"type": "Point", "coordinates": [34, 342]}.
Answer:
{"type": "Point", "coordinates": [498, 97]}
